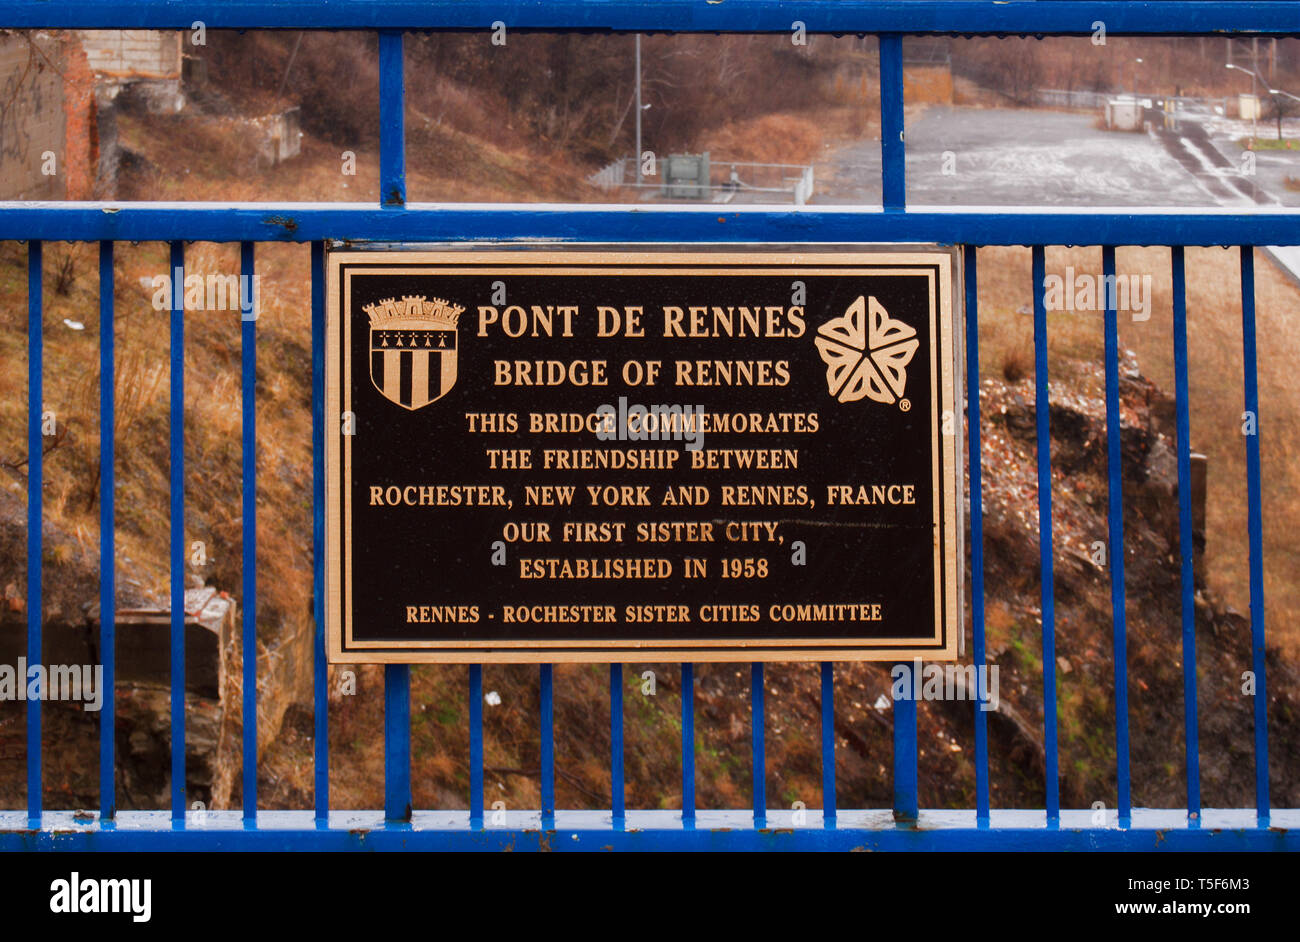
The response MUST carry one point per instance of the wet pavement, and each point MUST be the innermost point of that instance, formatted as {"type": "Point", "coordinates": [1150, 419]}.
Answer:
{"type": "Point", "coordinates": [983, 157]}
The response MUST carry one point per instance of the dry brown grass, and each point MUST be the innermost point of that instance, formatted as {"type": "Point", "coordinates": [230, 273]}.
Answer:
{"type": "Point", "coordinates": [1214, 383]}
{"type": "Point", "coordinates": [773, 138]}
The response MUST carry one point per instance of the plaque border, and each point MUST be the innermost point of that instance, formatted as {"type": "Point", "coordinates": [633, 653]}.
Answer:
{"type": "Point", "coordinates": [935, 263]}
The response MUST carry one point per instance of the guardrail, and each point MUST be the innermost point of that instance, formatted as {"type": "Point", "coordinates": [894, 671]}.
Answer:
{"type": "Point", "coordinates": [904, 826]}
{"type": "Point", "coordinates": [763, 181]}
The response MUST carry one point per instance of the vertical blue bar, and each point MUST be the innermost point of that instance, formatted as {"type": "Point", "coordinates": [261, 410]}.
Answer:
{"type": "Point", "coordinates": [35, 474]}
{"type": "Point", "coordinates": [320, 666]}
{"type": "Point", "coordinates": [548, 747]}
{"type": "Point", "coordinates": [176, 423]}
{"type": "Point", "coordinates": [392, 131]}
{"type": "Point", "coordinates": [618, 793]}
{"type": "Point", "coordinates": [248, 402]}
{"type": "Point", "coordinates": [107, 529]}
{"type": "Point", "coordinates": [906, 804]}
{"type": "Point", "coordinates": [476, 746]}
{"type": "Point", "coordinates": [970, 278]}
{"type": "Point", "coordinates": [1042, 413]}
{"type": "Point", "coordinates": [392, 193]}
{"type": "Point", "coordinates": [1256, 531]}
{"type": "Point", "coordinates": [688, 746]}
{"type": "Point", "coordinates": [397, 742]}
{"type": "Point", "coordinates": [893, 152]}
{"type": "Point", "coordinates": [759, 760]}
{"type": "Point", "coordinates": [1187, 551]}
{"type": "Point", "coordinates": [828, 744]}
{"type": "Point", "coordinates": [1119, 644]}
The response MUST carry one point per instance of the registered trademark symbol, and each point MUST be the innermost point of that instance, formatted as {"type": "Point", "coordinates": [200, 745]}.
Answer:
{"type": "Point", "coordinates": [905, 404]}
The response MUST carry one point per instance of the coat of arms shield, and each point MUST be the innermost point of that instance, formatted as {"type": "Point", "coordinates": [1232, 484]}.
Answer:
{"type": "Point", "coordinates": [413, 349]}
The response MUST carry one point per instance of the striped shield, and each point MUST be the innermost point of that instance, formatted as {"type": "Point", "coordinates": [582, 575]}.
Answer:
{"type": "Point", "coordinates": [413, 361]}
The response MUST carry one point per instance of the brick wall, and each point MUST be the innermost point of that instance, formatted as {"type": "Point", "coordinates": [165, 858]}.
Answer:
{"type": "Point", "coordinates": [80, 162]}
{"type": "Point", "coordinates": [133, 53]}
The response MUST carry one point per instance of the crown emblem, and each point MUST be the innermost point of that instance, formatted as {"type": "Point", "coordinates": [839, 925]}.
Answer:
{"type": "Point", "coordinates": [390, 311]}
{"type": "Point", "coordinates": [413, 346]}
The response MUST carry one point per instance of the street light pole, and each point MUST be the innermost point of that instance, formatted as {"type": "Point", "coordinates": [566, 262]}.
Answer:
{"type": "Point", "coordinates": [636, 158]}
{"type": "Point", "coordinates": [1275, 92]}
{"type": "Point", "coordinates": [1254, 114]}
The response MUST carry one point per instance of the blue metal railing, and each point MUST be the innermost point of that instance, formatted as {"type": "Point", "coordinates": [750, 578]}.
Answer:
{"type": "Point", "coordinates": [970, 279]}
{"type": "Point", "coordinates": [35, 448]}
{"type": "Point", "coordinates": [445, 222]}
{"type": "Point", "coordinates": [905, 826]}
{"type": "Point", "coordinates": [1115, 559]}
{"type": "Point", "coordinates": [1255, 529]}
{"type": "Point", "coordinates": [617, 792]}
{"type": "Point", "coordinates": [964, 17]}
{"type": "Point", "coordinates": [688, 746]}
{"type": "Point", "coordinates": [107, 530]}
{"type": "Point", "coordinates": [248, 456]}
{"type": "Point", "coordinates": [176, 489]}
{"type": "Point", "coordinates": [1051, 751]}
{"type": "Point", "coordinates": [1187, 582]}
{"type": "Point", "coordinates": [828, 744]}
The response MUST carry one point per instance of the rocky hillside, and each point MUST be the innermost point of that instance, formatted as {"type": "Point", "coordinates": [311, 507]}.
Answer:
{"type": "Point", "coordinates": [1086, 708]}
{"type": "Point", "coordinates": [863, 714]}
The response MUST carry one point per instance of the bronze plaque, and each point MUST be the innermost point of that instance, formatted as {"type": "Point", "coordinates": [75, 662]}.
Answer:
{"type": "Point", "coordinates": [636, 455]}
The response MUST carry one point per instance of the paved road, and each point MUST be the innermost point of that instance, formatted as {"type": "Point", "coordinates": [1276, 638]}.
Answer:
{"type": "Point", "coordinates": [982, 157]}
{"type": "Point", "coordinates": [1208, 151]}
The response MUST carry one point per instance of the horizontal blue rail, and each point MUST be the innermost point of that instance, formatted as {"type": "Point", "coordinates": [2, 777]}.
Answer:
{"type": "Point", "coordinates": [1229, 830]}
{"type": "Point", "coordinates": [460, 222]}
{"type": "Point", "coordinates": [1060, 17]}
